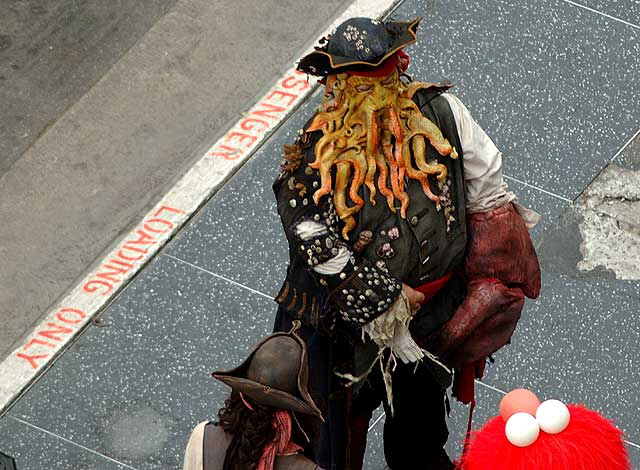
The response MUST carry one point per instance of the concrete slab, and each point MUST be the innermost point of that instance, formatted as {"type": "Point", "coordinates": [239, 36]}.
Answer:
{"type": "Point", "coordinates": [630, 156]}
{"type": "Point", "coordinates": [625, 10]}
{"type": "Point", "coordinates": [115, 152]}
{"type": "Point", "coordinates": [52, 53]}
{"type": "Point", "coordinates": [553, 85]}
{"type": "Point", "coordinates": [36, 449]}
{"type": "Point", "coordinates": [610, 223]}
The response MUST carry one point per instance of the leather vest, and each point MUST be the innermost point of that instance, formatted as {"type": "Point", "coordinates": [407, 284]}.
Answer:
{"type": "Point", "coordinates": [420, 248]}
{"type": "Point", "coordinates": [430, 241]}
{"type": "Point", "coordinates": [216, 442]}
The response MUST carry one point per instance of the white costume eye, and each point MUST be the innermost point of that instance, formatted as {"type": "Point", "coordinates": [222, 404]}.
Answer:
{"type": "Point", "coordinates": [553, 416]}
{"type": "Point", "coordinates": [522, 429]}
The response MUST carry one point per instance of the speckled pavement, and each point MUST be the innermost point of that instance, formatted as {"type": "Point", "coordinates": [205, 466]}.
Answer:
{"type": "Point", "coordinates": [553, 83]}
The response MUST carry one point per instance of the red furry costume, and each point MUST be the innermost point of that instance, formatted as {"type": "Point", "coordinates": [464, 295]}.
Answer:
{"type": "Point", "coordinates": [590, 442]}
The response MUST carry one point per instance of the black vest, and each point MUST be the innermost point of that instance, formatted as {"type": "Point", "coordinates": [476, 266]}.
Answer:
{"type": "Point", "coordinates": [424, 246]}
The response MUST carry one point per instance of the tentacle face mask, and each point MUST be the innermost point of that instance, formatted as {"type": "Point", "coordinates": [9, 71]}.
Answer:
{"type": "Point", "coordinates": [374, 134]}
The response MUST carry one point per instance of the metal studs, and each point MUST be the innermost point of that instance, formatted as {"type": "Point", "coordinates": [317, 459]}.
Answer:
{"type": "Point", "coordinates": [293, 203]}
{"type": "Point", "coordinates": [316, 217]}
{"type": "Point", "coordinates": [414, 220]}
{"type": "Point", "coordinates": [343, 276]}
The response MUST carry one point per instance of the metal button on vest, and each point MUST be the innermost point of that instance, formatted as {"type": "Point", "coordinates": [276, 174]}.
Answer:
{"type": "Point", "coordinates": [414, 220]}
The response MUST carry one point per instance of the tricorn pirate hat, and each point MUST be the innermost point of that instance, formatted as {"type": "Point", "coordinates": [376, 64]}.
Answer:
{"type": "Point", "coordinates": [275, 373]}
{"type": "Point", "coordinates": [359, 44]}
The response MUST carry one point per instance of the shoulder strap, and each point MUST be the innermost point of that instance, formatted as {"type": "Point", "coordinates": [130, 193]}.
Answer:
{"type": "Point", "coordinates": [215, 444]}
{"type": "Point", "coordinates": [208, 446]}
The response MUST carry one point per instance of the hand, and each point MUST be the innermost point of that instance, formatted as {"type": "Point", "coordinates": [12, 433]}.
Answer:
{"type": "Point", "coordinates": [415, 298]}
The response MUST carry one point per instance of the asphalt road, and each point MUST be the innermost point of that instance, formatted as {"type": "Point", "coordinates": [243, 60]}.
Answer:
{"type": "Point", "coordinates": [103, 106]}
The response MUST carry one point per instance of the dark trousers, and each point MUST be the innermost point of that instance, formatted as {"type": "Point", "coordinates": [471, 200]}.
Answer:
{"type": "Point", "coordinates": [414, 437]}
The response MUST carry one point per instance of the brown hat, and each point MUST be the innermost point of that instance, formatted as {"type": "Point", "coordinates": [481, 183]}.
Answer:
{"type": "Point", "coordinates": [275, 374]}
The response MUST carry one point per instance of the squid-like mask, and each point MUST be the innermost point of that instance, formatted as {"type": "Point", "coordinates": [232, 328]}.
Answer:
{"type": "Point", "coordinates": [373, 134]}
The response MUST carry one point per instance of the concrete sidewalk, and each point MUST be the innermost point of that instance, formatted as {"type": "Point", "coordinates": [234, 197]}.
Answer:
{"type": "Point", "coordinates": [552, 83]}
{"type": "Point", "coordinates": [105, 107]}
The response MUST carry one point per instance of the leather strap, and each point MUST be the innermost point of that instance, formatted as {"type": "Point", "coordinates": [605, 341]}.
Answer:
{"type": "Point", "coordinates": [209, 446]}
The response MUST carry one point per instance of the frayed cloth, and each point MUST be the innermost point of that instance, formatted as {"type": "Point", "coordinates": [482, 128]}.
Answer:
{"type": "Point", "coordinates": [390, 331]}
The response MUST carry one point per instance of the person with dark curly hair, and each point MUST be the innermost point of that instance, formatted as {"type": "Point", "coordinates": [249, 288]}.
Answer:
{"type": "Point", "coordinates": [267, 421]}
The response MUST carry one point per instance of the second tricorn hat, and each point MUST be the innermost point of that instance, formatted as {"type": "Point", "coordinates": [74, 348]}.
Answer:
{"type": "Point", "coordinates": [275, 373]}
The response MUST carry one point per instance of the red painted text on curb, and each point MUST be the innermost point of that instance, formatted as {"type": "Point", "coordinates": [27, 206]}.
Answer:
{"type": "Point", "coordinates": [239, 141]}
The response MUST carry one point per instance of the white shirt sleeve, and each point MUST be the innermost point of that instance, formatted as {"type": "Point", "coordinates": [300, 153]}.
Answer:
{"type": "Point", "coordinates": [193, 452]}
{"type": "Point", "coordinates": [486, 189]}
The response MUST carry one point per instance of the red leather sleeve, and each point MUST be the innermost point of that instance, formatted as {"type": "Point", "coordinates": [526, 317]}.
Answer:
{"type": "Point", "coordinates": [499, 247]}
{"type": "Point", "coordinates": [501, 267]}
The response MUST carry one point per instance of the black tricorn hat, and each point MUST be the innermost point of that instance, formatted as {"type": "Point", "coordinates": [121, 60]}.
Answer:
{"type": "Point", "coordinates": [275, 373]}
{"type": "Point", "coordinates": [359, 44]}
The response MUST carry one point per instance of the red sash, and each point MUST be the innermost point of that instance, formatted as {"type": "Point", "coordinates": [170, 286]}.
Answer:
{"type": "Point", "coordinates": [430, 289]}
